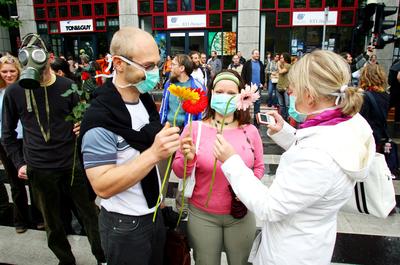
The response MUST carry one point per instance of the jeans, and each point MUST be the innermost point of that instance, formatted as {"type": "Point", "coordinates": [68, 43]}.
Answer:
{"type": "Point", "coordinates": [48, 185]}
{"type": "Point", "coordinates": [271, 93]}
{"type": "Point", "coordinates": [132, 240]}
{"type": "Point", "coordinates": [283, 101]}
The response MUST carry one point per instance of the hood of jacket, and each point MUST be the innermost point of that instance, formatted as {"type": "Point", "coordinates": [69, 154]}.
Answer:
{"type": "Point", "coordinates": [344, 142]}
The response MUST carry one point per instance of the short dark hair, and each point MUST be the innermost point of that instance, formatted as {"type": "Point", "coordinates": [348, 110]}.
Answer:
{"type": "Point", "coordinates": [286, 57]}
{"type": "Point", "coordinates": [243, 117]}
{"type": "Point", "coordinates": [186, 61]}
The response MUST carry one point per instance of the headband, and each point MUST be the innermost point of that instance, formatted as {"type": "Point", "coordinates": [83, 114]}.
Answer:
{"type": "Point", "coordinates": [226, 76]}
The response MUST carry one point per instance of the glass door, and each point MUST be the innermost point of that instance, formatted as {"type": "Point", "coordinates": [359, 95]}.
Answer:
{"type": "Point", "coordinates": [196, 41]}
{"type": "Point", "coordinates": [177, 43]}
{"type": "Point", "coordinates": [185, 42]}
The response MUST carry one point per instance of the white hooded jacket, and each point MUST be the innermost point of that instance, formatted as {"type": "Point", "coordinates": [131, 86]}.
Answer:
{"type": "Point", "coordinates": [315, 178]}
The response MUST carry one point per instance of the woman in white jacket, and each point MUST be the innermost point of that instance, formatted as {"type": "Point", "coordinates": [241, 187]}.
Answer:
{"type": "Point", "coordinates": [316, 175]}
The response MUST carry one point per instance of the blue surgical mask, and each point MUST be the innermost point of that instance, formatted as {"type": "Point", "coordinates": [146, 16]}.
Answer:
{"type": "Point", "coordinates": [219, 102]}
{"type": "Point", "coordinates": [152, 77]}
{"type": "Point", "coordinates": [297, 116]}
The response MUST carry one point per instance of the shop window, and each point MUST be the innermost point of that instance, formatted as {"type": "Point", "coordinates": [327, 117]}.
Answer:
{"type": "Point", "coordinates": [144, 6]}
{"type": "Point", "coordinates": [87, 10]}
{"type": "Point", "coordinates": [38, 2]}
{"type": "Point", "coordinates": [315, 3]}
{"type": "Point", "coordinates": [51, 12]}
{"type": "Point", "coordinates": [299, 3]}
{"type": "Point", "coordinates": [215, 20]}
{"type": "Point", "coordinates": [42, 27]}
{"type": "Point", "coordinates": [276, 38]}
{"type": "Point", "coordinates": [99, 9]}
{"type": "Point", "coordinates": [158, 6]}
{"type": "Point", "coordinates": [74, 11]}
{"type": "Point", "coordinates": [100, 24]}
{"type": "Point", "coordinates": [348, 3]}
{"type": "Point", "coordinates": [331, 3]}
{"type": "Point", "coordinates": [40, 12]}
{"type": "Point", "coordinates": [229, 4]}
{"type": "Point", "coordinates": [53, 27]}
{"type": "Point", "coordinates": [283, 19]}
{"type": "Point", "coordinates": [113, 23]}
{"type": "Point", "coordinates": [63, 11]}
{"type": "Point", "coordinates": [200, 4]}
{"type": "Point", "coordinates": [186, 5]}
{"type": "Point", "coordinates": [158, 22]}
{"type": "Point", "coordinates": [227, 22]}
{"type": "Point", "coordinates": [112, 8]}
{"type": "Point", "coordinates": [268, 3]}
{"type": "Point", "coordinates": [214, 5]}
{"type": "Point", "coordinates": [172, 6]}
{"type": "Point", "coordinates": [284, 3]}
{"type": "Point", "coordinates": [347, 17]}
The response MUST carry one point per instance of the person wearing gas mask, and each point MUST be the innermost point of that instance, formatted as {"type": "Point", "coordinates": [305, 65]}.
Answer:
{"type": "Point", "coordinates": [48, 146]}
{"type": "Point", "coordinates": [122, 140]}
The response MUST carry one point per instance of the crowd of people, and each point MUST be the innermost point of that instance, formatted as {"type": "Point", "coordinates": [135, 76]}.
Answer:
{"type": "Point", "coordinates": [123, 142]}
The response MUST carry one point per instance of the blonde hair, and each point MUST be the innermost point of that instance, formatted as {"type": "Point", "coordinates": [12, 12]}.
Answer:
{"type": "Point", "coordinates": [323, 73]}
{"type": "Point", "coordinates": [373, 75]}
{"type": "Point", "coordinates": [9, 59]}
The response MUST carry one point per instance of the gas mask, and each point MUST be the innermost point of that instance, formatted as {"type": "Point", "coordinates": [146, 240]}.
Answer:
{"type": "Point", "coordinates": [33, 56]}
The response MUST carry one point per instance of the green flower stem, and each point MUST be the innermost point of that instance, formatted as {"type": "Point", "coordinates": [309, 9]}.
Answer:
{"type": "Point", "coordinates": [168, 167]}
{"type": "Point", "coordinates": [215, 160]}
{"type": "Point", "coordinates": [74, 163]}
{"type": "Point", "coordinates": [184, 176]}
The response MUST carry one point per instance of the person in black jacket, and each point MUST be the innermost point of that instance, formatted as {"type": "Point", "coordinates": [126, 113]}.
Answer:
{"type": "Point", "coordinates": [45, 158]}
{"type": "Point", "coordinates": [373, 80]}
{"type": "Point", "coordinates": [394, 82]}
{"type": "Point", "coordinates": [253, 73]}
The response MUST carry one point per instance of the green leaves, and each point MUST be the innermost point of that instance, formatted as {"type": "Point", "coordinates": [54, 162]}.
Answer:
{"type": "Point", "coordinates": [8, 22]}
{"type": "Point", "coordinates": [79, 110]}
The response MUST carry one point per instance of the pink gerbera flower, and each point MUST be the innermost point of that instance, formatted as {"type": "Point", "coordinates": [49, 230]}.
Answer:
{"type": "Point", "coordinates": [247, 97]}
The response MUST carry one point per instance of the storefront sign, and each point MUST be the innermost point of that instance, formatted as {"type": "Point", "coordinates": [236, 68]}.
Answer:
{"type": "Point", "coordinates": [189, 21]}
{"type": "Point", "coordinates": [315, 18]}
{"type": "Point", "coordinates": [76, 25]}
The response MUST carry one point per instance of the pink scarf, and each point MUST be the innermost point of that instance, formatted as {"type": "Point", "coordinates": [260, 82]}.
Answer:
{"type": "Point", "coordinates": [328, 117]}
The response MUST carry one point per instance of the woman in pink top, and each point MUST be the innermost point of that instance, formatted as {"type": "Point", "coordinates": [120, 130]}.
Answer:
{"type": "Point", "coordinates": [213, 229]}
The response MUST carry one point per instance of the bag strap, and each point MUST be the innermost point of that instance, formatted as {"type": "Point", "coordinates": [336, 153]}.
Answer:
{"type": "Point", "coordinates": [380, 113]}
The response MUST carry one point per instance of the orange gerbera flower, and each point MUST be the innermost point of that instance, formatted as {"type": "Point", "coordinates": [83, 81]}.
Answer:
{"type": "Point", "coordinates": [183, 93]}
{"type": "Point", "coordinates": [196, 106]}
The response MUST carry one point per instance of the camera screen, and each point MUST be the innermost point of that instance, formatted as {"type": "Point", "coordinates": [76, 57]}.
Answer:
{"type": "Point", "coordinates": [264, 117]}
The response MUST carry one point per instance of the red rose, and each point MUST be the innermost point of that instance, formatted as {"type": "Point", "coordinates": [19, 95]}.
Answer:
{"type": "Point", "coordinates": [85, 76]}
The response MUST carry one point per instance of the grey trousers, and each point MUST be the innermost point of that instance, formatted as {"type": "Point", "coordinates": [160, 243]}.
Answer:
{"type": "Point", "coordinates": [210, 234]}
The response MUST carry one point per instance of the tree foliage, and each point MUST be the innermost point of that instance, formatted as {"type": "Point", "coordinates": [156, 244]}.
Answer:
{"type": "Point", "coordinates": [8, 22]}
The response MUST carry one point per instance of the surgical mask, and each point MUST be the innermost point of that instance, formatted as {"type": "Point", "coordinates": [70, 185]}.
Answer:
{"type": "Point", "coordinates": [33, 57]}
{"type": "Point", "coordinates": [297, 116]}
{"type": "Point", "coordinates": [219, 102]}
{"type": "Point", "coordinates": [152, 77]}
{"type": "Point", "coordinates": [301, 117]}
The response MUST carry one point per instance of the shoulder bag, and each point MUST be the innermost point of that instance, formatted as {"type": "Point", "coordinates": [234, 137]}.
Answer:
{"type": "Point", "coordinates": [375, 195]}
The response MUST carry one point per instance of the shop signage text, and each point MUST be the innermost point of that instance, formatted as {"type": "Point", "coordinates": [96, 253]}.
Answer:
{"type": "Point", "coordinates": [314, 18]}
{"type": "Point", "coordinates": [76, 25]}
{"type": "Point", "coordinates": [189, 21]}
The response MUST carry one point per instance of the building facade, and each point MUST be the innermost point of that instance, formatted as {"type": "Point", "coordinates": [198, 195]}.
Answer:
{"type": "Point", "coordinates": [179, 26]}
